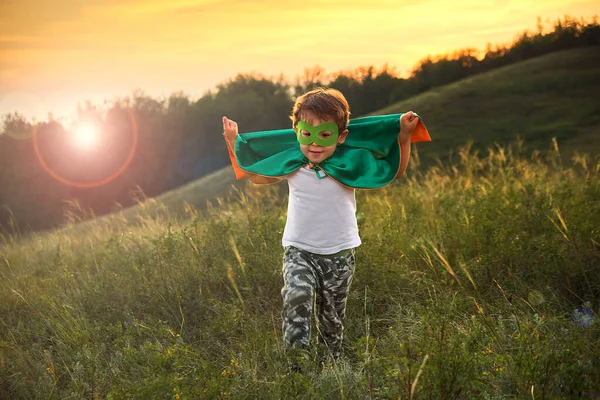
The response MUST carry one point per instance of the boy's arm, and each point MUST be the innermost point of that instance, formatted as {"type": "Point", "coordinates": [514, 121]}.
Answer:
{"type": "Point", "coordinates": [408, 123]}
{"type": "Point", "coordinates": [404, 156]}
{"type": "Point", "coordinates": [230, 133]}
{"type": "Point", "coordinates": [261, 180]}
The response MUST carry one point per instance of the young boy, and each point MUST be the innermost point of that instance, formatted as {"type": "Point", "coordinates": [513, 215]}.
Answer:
{"type": "Point", "coordinates": [321, 231]}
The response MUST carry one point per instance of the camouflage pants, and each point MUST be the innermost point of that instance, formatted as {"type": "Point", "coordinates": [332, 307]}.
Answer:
{"type": "Point", "coordinates": [327, 280]}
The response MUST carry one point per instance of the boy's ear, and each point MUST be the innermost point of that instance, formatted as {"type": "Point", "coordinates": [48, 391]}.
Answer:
{"type": "Point", "coordinates": [342, 136]}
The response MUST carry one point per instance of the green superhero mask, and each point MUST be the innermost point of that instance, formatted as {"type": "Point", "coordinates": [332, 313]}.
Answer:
{"type": "Point", "coordinates": [325, 134]}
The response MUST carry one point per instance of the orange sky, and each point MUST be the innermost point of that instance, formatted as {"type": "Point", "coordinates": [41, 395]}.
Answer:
{"type": "Point", "coordinates": [56, 53]}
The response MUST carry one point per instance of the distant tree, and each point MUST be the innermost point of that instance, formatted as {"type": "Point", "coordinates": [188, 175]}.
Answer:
{"type": "Point", "coordinates": [311, 78]}
{"type": "Point", "coordinates": [16, 126]}
{"type": "Point", "coordinates": [254, 101]}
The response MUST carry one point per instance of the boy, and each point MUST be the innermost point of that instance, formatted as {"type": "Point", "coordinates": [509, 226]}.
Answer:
{"type": "Point", "coordinates": [321, 231]}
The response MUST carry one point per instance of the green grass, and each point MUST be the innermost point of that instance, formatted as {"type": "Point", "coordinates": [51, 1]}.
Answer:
{"type": "Point", "coordinates": [175, 204]}
{"type": "Point", "coordinates": [467, 279]}
{"type": "Point", "coordinates": [465, 287]}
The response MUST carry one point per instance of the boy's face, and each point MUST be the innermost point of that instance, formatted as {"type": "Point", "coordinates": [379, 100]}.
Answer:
{"type": "Point", "coordinates": [314, 152]}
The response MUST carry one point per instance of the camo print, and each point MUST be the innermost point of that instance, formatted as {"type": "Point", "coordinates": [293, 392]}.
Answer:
{"type": "Point", "coordinates": [325, 278]}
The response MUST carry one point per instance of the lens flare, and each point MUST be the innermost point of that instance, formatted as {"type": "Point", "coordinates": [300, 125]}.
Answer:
{"type": "Point", "coordinates": [86, 135]}
{"type": "Point", "coordinates": [583, 316]}
{"type": "Point", "coordinates": [535, 297]}
{"type": "Point", "coordinates": [58, 177]}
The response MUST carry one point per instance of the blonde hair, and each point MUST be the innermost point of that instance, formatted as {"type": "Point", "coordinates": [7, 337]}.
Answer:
{"type": "Point", "coordinates": [325, 103]}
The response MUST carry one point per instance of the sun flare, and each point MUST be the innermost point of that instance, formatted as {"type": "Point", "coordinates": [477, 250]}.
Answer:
{"type": "Point", "coordinates": [86, 135]}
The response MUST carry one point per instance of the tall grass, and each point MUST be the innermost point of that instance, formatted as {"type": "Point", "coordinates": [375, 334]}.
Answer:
{"type": "Point", "coordinates": [467, 285]}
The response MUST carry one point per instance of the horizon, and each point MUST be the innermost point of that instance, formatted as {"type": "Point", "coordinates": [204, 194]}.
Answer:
{"type": "Point", "coordinates": [98, 51]}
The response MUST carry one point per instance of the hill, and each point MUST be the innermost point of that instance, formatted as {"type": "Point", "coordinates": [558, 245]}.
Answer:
{"type": "Point", "coordinates": [550, 96]}
{"type": "Point", "coordinates": [539, 99]}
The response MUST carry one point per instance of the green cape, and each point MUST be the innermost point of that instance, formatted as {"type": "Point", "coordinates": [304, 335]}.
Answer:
{"type": "Point", "coordinates": [368, 159]}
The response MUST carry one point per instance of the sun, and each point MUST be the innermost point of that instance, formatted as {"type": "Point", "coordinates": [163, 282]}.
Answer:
{"type": "Point", "coordinates": [86, 135]}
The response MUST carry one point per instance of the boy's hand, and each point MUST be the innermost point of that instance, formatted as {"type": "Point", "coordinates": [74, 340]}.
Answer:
{"type": "Point", "coordinates": [230, 129]}
{"type": "Point", "coordinates": [408, 123]}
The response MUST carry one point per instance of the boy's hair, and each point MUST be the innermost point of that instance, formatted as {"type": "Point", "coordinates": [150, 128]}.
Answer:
{"type": "Point", "coordinates": [325, 103]}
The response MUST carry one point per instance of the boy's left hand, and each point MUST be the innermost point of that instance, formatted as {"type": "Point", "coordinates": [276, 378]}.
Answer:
{"type": "Point", "coordinates": [408, 123]}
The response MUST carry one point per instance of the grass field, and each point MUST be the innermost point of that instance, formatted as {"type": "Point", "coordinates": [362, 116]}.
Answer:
{"type": "Point", "coordinates": [478, 278]}
{"type": "Point", "coordinates": [467, 286]}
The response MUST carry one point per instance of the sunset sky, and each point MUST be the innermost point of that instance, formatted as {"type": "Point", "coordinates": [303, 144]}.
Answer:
{"type": "Point", "coordinates": [56, 53]}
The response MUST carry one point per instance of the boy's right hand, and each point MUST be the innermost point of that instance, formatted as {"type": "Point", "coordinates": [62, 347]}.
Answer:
{"type": "Point", "coordinates": [230, 129]}
{"type": "Point", "coordinates": [408, 123]}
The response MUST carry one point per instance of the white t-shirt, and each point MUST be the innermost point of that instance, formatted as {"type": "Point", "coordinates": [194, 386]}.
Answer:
{"type": "Point", "coordinates": [321, 215]}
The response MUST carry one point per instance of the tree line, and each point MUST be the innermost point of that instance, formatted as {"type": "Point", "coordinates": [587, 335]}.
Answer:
{"type": "Point", "coordinates": [177, 139]}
